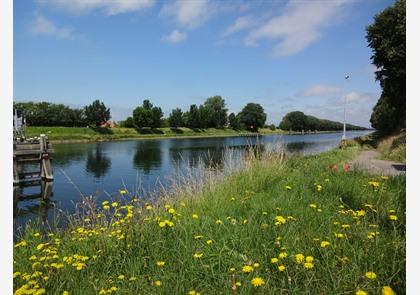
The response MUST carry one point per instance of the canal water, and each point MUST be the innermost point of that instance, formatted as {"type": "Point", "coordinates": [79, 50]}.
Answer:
{"type": "Point", "coordinates": [101, 169]}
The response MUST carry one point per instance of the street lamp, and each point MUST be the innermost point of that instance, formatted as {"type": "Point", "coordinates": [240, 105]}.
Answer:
{"type": "Point", "coordinates": [345, 103]}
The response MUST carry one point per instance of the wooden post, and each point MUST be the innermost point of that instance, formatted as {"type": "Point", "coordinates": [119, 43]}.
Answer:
{"type": "Point", "coordinates": [15, 171]}
{"type": "Point", "coordinates": [46, 168]}
{"type": "Point", "coordinates": [46, 190]}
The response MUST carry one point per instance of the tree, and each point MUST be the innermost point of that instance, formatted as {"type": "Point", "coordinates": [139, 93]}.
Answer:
{"type": "Point", "coordinates": [157, 115]}
{"type": "Point", "coordinates": [252, 116]}
{"type": "Point", "coordinates": [294, 120]}
{"type": "Point", "coordinates": [234, 122]}
{"type": "Point", "coordinates": [217, 112]}
{"type": "Point", "coordinates": [384, 118]}
{"type": "Point", "coordinates": [193, 117]}
{"type": "Point", "coordinates": [387, 38]}
{"type": "Point", "coordinates": [142, 115]}
{"type": "Point", "coordinates": [97, 113]}
{"type": "Point", "coordinates": [128, 123]}
{"type": "Point", "coordinates": [175, 118]}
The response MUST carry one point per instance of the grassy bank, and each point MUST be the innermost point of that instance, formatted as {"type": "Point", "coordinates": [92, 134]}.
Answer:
{"type": "Point", "coordinates": [300, 226]}
{"type": "Point", "coordinates": [97, 134]}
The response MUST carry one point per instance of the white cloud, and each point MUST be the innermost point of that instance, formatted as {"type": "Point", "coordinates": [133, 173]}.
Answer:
{"type": "Point", "coordinates": [42, 26]}
{"type": "Point", "coordinates": [319, 90]}
{"type": "Point", "coordinates": [240, 24]}
{"type": "Point", "coordinates": [175, 37]}
{"type": "Point", "coordinates": [300, 24]}
{"type": "Point", "coordinates": [109, 7]}
{"type": "Point", "coordinates": [190, 13]}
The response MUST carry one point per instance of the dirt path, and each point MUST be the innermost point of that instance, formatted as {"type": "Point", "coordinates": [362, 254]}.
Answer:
{"type": "Point", "coordinates": [368, 160]}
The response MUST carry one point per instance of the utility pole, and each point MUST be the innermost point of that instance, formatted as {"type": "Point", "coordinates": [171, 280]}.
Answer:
{"type": "Point", "coordinates": [345, 104]}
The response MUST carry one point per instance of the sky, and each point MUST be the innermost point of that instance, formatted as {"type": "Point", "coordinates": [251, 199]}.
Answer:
{"type": "Point", "coordinates": [285, 55]}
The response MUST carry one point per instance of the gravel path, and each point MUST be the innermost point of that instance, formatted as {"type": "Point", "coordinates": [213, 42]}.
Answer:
{"type": "Point", "coordinates": [368, 160]}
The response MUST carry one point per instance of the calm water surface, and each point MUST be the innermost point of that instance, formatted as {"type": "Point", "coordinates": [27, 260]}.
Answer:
{"type": "Point", "coordinates": [101, 169]}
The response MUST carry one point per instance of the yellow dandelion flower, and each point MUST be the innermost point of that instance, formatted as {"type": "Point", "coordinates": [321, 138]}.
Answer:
{"type": "Point", "coordinates": [66, 293]}
{"type": "Point", "coordinates": [370, 275]}
{"type": "Point", "coordinates": [195, 216]}
{"type": "Point", "coordinates": [37, 234]}
{"type": "Point", "coordinates": [361, 292]}
{"type": "Point", "coordinates": [209, 242]}
{"type": "Point", "coordinates": [160, 263]}
{"type": "Point", "coordinates": [106, 207]}
{"type": "Point", "coordinates": [281, 268]}
{"type": "Point", "coordinates": [339, 235]}
{"type": "Point", "coordinates": [299, 258]}
{"type": "Point", "coordinates": [197, 237]}
{"type": "Point", "coordinates": [121, 277]}
{"type": "Point", "coordinates": [158, 283]}
{"type": "Point", "coordinates": [232, 269]}
{"type": "Point", "coordinates": [114, 204]}
{"type": "Point", "coordinates": [393, 217]}
{"type": "Point", "coordinates": [274, 260]}
{"type": "Point", "coordinates": [309, 259]}
{"type": "Point", "coordinates": [288, 187]}
{"type": "Point", "coordinates": [308, 265]}
{"type": "Point", "coordinates": [256, 265]}
{"type": "Point", "coordinates": [123, 191]}
{"type": "Point", "coordinates": [132, 279]}
{"type": "Point", "coordinates": [313, 206]}
{"type": "Point", "coordinates": [345, 225]}
{"type": "Point", "coordinates": [282, 255]}
{"type": "Point", "coordinates": [280, 220]}
{"type": "Point", "coordinates": [218, 221]}
{"type": "Point", "coordinates": [257, 282]}
{"type": "Point", "coordinates": [162, 224]}
{"type": "Point", "coordinates": [171, 211]}
{"type": "Point", "coordinates": [149, 207]}
{"type": "Point", "coordinates": [325, 244]}
{"type": "Point", "coordinates": [247, 268]}
{"type": "Point", "coordinates": [198, 255]}
{"type": "Point", "coordinates": [387, 290]}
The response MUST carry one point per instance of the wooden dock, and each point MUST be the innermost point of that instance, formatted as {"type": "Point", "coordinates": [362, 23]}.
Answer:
{"type": "Point", "coordinates": [32, 151]}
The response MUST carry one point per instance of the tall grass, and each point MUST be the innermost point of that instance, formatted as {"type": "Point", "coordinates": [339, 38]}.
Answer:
{"type": "Point", "coordinates": [199, 237]}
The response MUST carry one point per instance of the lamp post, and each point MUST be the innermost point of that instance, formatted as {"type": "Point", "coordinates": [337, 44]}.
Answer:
{"type": "Point", "coordinates": [345, 104]}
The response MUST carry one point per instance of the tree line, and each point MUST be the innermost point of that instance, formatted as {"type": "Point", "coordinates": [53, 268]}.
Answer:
{"type": "Point", "coordinates": [211, 114]}
{"type": "Point", "coordinates": [298, 121]}
{"type": "Point", "coordinates": [52, 114]}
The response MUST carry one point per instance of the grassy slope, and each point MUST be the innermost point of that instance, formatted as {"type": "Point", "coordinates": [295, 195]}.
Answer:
{"type": "Point", "coordinates": [83, 133]}
{"type": "Point", "coordinates": [247, 204]}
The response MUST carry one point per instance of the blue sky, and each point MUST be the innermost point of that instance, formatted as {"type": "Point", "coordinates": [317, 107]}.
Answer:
{"type": "Point", "coordinates": [285, 55]}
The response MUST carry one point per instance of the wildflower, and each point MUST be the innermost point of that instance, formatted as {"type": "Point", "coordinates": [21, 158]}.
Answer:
{"type": "Point", "coordinates": [197, 237]}
{"type": "Point", "coordinates": [158, 283]}
{"type": "Point", "coordinates": [123, 192]}
{"type": "Point", "coordinates": [232, 269]}
{"type": "Point", "coordinates": [257, 281]}
{"type": "Point", "coordinates": [40, 291]}
{"type": "Point", "coordinates": [66, 293]}
{"type": "Point", "coordinates": [247, 268]}
{"type": "Point", "coordinates": [313, 206]}
{"type": "Point", "coordinates": [121, 277]}
{"type": "Point", "coordinates": [245, 221]}
{"type": "Point", "coordinates": [113, 288]}
{"type": "Point", "coordinates": [102, 291]}
{"type": "Point", "coordinates": [288, 187]}
{"type": "Point", "coordinates": [149, 207]}
{"type": "Point", "coordinates": [232, 199]}
{"type": "Point", "coordinates": [281, 267]}
{"type": "Point", "coordinates": [160, 263]}
{"type": "Point", "coordinates": [195, 216]}
{"type": "Point", "coordinates": [274, 260]}
{"type": "Point", "coordinates": [373, 184]}
{"type": "Point", "coordinates": [218, 221]}
{"type": "Point", "coordinates": [209, 242]}
{"type": "Point", "coordinates": [171, 211]}
{"type": "Point", "coordinates": [309, 259]}
{"type": "Point", "coordinates": [106, 207]}
{"type": "Point", "coordinates": [40, 246]}
{"type": "Point", "coordinates": [37, 235]}
{"type": "Point", "coordinates": [282, 255]}
{"type": "Point", "coordinates": [361, 292]}
{"type": "Point", "coordinates": [308, 265]}
{"type": "Point", "coordinates": [132, 279]}
{"type": "Point", "coordinates": [318, 187]}
{"type": "Point", "coordinates": [114, 204]}
{"type": "Point", "coordinates": [23, 243]}
{"type": "Point", "coordinates": [198, 255]}
{"type": "Point", "coordinates": [387, 290]}
{"type": "Point", "coordinates": [370, 275]}
{"type": "Point", "coordinates": [360, 212]}
{"type": "Point", "coordinates": [325, 244]}
{"type": "Point", "coordinates": [339, 235]}
{"type": "Point", "coordinates": [384, 177]}
{"type": "Point", "coordinates": [256, 265]}
{"type": "Point", "coordinates": [393, 217]}
{"type": "Point", "coordinates": [280, 220]}
{"type": "Point", "coordinates": [345, 225]}
{"type": "Point", "coordinates": [299, 258]}
{"type": "Point", "coordinates": [162, 224]}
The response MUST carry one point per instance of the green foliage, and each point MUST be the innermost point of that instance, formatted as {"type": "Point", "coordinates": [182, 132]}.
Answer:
{"type": "Point", "coordinates": [97, 113]}
{"type": "Point", "coordinates": [147, 115]}
{"type": "Point", "coordinates": [252, 116]}
{"type": "Point", "coordinates": [215, 112]}
{"type": "Point", "coordinates": [387, 38]}
{"type": "Point", "coordinates": [298, 121]}
{"type": "Point", "coordinates": [176, 118]}
{"type": "Point", "coordinates": [128, 123]}
{"type": "Point", "coordinates": [234, 122]}
{"type": "Point", "coordinates": [50, 114]}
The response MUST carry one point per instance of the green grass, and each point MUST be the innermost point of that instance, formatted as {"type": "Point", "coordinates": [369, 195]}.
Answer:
{"type": "Point", "coordinates": [89, 134]}
{"type": "Point", "coordinates": [247, 203]}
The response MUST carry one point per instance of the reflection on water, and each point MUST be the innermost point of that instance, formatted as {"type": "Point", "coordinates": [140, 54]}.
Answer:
{"type": "Point", "coordinates": [101, 169]}
{"type": "Point", "coordinates": [97, 162]}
